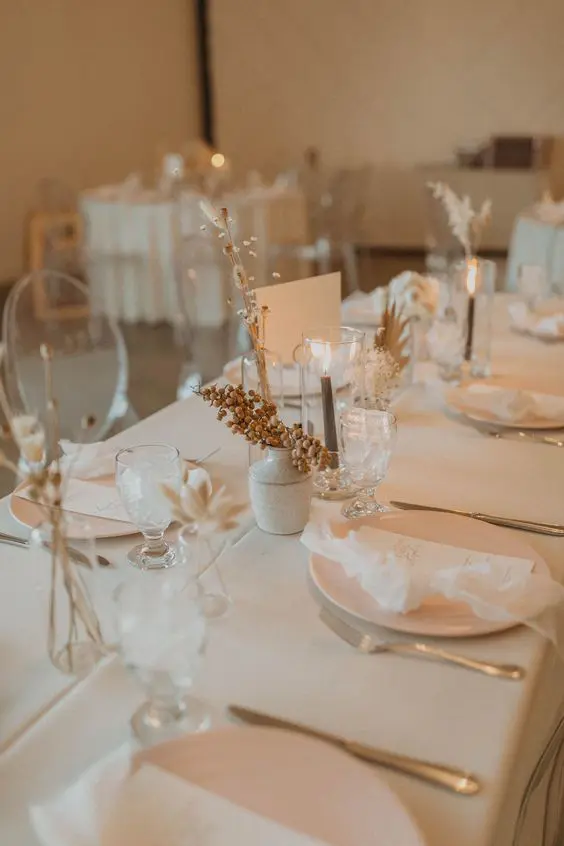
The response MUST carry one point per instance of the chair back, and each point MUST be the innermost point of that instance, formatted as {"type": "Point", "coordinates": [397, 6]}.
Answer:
{"type": "Point", "coordinates": [90, 369]}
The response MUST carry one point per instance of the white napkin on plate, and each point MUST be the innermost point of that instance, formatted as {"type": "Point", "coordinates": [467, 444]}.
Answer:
{"type": "Point", "coordinates": [510, 405]}
{"type": "Point", "coordinates": [361, 309]}
{"type": "Point", "coordinates": [547, 324]}
{"type": "Point", "coordinates": [107, 807]}
{"type": "Point", "coordinates": [400, 572]}
{"type": "Point", "coordinates": [89, 499]}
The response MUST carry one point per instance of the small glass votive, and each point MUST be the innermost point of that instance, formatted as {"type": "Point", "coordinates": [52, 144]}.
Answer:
{"type": "Point", "coordinates": [446, 341]}
{"type": "Point", "coordinates": [332, 366]}
{"type": "Point", "coordinates": [474, 288]}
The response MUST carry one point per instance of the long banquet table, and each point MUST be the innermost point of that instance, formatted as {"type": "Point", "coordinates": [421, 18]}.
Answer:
{"type": "Point", "coordinates": [272, 653]}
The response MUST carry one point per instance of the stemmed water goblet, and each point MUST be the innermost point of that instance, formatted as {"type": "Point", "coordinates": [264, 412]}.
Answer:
{"type": "Point", "coordinates": [367, 441]}
{"type": "Point", "coordinates": [161, 639]}
{"type": "Point", "coordinates": [143, 473]}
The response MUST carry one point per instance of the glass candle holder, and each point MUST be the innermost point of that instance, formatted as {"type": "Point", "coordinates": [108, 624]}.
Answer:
{"type": "Point", "coordinates": [474, 287]}
{"type": "Point", "coordinates": [332, 379]}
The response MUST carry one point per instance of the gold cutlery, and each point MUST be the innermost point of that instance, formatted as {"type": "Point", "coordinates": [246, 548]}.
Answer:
{"type": "Point", "coordinates": [439, 775]}
{"type": "Point", "coordinates": [203, 458]}
{"type": "Point", "coordinates": [514, 435]}
{"type": "Point", "coordinates": [371, 646]}
{"type": "Point", "coordinates": [75, 554]}
{"type": "Point", "coordinates": [508, 522]}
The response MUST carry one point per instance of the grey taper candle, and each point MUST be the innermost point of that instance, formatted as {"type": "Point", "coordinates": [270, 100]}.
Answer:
{"type": "Point", "coordinates": [329, 427]}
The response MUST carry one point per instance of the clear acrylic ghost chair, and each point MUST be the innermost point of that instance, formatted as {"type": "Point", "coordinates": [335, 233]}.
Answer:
{"type": "Point", "coordinates": [90, 367]}
{"type": "Point", "coordinates": [207, 326]}
{"type": "Point", "coordinates": [336, 208]}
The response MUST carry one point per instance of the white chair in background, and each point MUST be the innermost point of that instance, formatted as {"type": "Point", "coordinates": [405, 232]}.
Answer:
{"type": "Point", "coordinates": [90, 366]}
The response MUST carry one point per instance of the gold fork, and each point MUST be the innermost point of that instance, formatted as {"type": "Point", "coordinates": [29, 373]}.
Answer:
{"type": "Point", "coordinates": [371, 646]}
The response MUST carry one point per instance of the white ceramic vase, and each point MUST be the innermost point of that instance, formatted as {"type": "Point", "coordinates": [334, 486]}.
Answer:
{"type": "Point", "coordinates": [280, 493]}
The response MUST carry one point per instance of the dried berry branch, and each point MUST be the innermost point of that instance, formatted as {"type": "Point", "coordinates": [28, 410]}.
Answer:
{"type": "Point", "coordinates": [247, 413]}
{"type": "Point", "coordinates": [252, 315]}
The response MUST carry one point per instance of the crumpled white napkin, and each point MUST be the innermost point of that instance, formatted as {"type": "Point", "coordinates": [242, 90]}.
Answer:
{"type": "Point", "coordinates": [107, 807]}
{"type": "Point", "coordinates": [548, 324]}
{"type": "Point", "coordinates": [400, 572]}
{"type": "Point", "coordinates": [510, 405]}
{"type": "Point", "coordinates": [87, 461]}
{"type": "Point", "coordinates": [416, 296]}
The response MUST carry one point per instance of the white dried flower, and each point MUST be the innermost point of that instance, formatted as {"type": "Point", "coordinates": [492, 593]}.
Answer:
{"type": "Point", "coordinates": [275, 275]}
{"type": "Point", "coordinates": [29, 436]}
{"type": "Point", "coordinates": [383, 374]}
{"type": "Point", "coordinates": [466, 225]}
{"type": "Point", "coordinates": [414, 295]}
{"type": "Point", "coordinates": [198, 504]}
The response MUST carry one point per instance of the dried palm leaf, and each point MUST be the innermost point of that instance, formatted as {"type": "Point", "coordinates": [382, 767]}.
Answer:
{"type": "Point", "coordinates": [393, 335]}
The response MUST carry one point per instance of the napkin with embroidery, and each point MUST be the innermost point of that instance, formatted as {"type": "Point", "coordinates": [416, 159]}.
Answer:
{"type": "Point", "coordinates": [401, 572]}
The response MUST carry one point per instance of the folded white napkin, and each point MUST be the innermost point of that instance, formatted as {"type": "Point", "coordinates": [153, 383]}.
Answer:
{"type": "Point", "coordinates": [547, 324]}
{"type": "Point", "coordinates": [107, 807]}
{"type": "Point", "coordinates": [90, 499]}
{"type": "Point", "coordinates": [504, 403]}
{"type": "Point", "coordinates": [400, 572]}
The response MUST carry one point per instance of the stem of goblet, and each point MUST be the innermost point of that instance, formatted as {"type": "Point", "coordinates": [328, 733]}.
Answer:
{"type": "Point", "coordinates": [154, 545]}
{"type": "Point", "coordinates": [367, 493]}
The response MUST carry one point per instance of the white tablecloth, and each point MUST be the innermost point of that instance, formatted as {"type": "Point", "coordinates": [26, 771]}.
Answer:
{"type": "Point", "coordinates": [537, 242]}
{"type": "Point", "coordinates": [272, 653]}
{"type": "Point", "coordinates": [132, 249]}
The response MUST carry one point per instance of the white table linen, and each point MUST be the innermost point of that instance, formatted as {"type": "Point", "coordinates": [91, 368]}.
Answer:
{"type": "Point", "coordinates": [536, 241]}
{"type": "Point", "coordinates": [132, 248]}
{"type": "Point", "coordinates": [273, 654]}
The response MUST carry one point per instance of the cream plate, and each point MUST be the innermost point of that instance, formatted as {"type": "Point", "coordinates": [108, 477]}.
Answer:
{"type": "Point", "coordinates": [30, 514]}
{"type": "Point", "coordinates": [437, 616]}
{"type": "Point", "coordinates": [301, 783]}
{"type": "Point", "coordinates": [457, 399]}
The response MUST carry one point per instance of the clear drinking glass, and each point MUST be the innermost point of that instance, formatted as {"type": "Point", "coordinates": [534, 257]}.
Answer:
{"type": "Point", "coordinates": [198, 554]}
{"type": "Point", "coordinates": [162, 636]}
{"type": "Point", "coordinates": [532, 284]}
{"type": "Point", "coordinates": [473, 282]}
{"type": "Point", "coordinates": [142, 474]}
{"type": "Point", "coordinates": [367, 441]}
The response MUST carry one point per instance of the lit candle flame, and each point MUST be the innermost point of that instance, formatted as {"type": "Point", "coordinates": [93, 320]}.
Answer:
{"type": "Point", "coordinates": [471, 278]}
{"type": "Point", "coordinates": [217, 160]}
{"type": "Point", "coordinates": [322, 352]}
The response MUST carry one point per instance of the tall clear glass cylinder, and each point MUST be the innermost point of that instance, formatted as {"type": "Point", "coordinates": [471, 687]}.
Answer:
{"type": "Point", "coordinates": [473, 296]}
{"type": "Point", "coordinates": [332, 379]}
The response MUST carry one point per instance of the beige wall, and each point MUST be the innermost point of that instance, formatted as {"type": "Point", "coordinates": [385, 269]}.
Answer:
{"type": "Point", "coordinates": [391, 82]}
{"type": "Point", "coordinates": [88, 90]}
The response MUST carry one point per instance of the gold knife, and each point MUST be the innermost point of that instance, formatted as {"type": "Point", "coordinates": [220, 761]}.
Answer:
{"type": "Point", "coordinates": [510, 523]}
{"type": "Point", "coordinates": [439, 775]}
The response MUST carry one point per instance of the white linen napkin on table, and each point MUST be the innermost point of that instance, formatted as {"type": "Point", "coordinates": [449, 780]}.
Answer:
{"type": "Point", "coordinates": [107, 807]}
{"type": "Point", "coordinates": [509, 404]}
{"type": "Point", "coordinates": [547, 324]}
{"type": "Point", "coordinates": [400, 572]}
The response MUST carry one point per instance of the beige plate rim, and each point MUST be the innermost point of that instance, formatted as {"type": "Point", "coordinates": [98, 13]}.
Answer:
{"type": "Point", "coordinates": [438, 616]}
